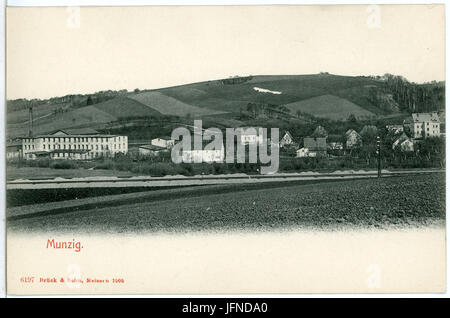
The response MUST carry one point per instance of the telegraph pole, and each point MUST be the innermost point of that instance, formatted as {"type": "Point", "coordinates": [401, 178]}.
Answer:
{"type": "Point", "coordinates": [379, 156]}
{"type": "Point", "coordinates": [30, 116]}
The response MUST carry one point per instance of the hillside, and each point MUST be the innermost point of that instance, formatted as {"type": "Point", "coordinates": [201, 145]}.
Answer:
{"type": "Point", "coordinates": [329, 106]}
{"type": "Point", "coordinates": [247, 100]}
{"type": "Point", "coordinates": [167, 105]}
{"type": "Point", "coordinates": [123, 107]}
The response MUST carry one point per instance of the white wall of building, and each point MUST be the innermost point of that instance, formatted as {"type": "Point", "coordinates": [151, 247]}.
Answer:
{"type": "Point", "coordinates": [160, 142]}
{"type": "Point", "coordinates": [74, 147]}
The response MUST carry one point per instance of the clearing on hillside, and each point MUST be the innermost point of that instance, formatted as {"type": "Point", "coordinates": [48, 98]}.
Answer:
{"type": "Point", "coordinates": [123, 107]}
{"type": "Point", "coordinates": [329, 106]}
{"type": "Point", "coordinates": [170, 106]}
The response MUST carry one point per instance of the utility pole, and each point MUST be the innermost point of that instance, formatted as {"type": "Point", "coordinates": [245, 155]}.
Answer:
{"type": "Point", "coordinates": [379, 156]}
{"type": "Point", "coordinates": [30, 116]}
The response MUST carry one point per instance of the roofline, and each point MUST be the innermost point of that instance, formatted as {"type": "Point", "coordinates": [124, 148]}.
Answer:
{"type": "Point", "coordinates": [71, 136]}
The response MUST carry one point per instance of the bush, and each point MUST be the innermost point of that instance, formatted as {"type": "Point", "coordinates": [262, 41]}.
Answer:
{"type": "Point", "coordinates": [106, 165]}
{"type": "Point", "coordinates": [63, 164]}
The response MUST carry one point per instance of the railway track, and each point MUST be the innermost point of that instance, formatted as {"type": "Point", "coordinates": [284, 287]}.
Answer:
{"type": "Point", "coordinates": [196, 180]}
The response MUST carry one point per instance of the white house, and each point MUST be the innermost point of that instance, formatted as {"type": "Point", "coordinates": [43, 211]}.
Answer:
{"type": "Point", "coordinates": [404, 143]}
{"type": "Point", "coordinates": [150, 150]}
{"type": "Point", "coordinates": [286, 140]}
{"type": "Point", "coordinates": [353, 139]}
{"type": "Point", "coordinates": [164, 142]}
{"type": "Point", "coordinates": [335, 145]}
{"type": "Point", "coordinates": [407, 145]}
{"type": "Point", "coordinates": [424, 125]}
{"type": "Point", "coordinates": [14, 150]}
{"type": "Point", "coordinates": [207, 156]}
{"type": "Point", "coordinates": [250, 136]}
{"type": "Point", "coordinates": [61, 145]}
{"type": "Point", "coordinates": [303, 152]}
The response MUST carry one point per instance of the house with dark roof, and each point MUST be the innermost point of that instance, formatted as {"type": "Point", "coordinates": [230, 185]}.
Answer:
{"type": "Point", "coordinates": [151, 150]}
{"type": "Point", "coordinates": [316, 146]}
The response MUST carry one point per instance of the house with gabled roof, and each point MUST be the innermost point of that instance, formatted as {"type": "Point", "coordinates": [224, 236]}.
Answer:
{"type": "Point", "coordinates": [317, 146]}
{"type": "Point", "coordinates": [353, 139]}
{"type": "Point", "coordinates": [403, 142]}
{"type": "Point", "coordinates": [286, 140]}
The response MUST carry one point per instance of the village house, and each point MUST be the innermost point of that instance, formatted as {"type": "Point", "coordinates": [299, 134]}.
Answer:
{"type": "Point", "coordinates": [395, 128]}
{"type": "Point", "coordinates": [64, 145]}
{"type": "Point", "coordinates": [423, 125]}
{"type": "Point", "coordinates": [403, 142]}
{"type": "Point", "coordinates": [251, 136]}
{"type": "Point", "coordinates": [315, 147]}
{"type": "Point", "coordinates": [335, 145]}
{"type": "Point", "coordinates": [286, 140]}
{"type": "Point", "coordinates": [202, 155]}
{"type": "Point", "coordinates": [14, 149]}
{"type": "Point", "coordinates": [163, 142]}
{"type": "Point", "coordinates": [304, 152]}
{"type": "Point", "coordinates": [353, 139]}
{"type": "Point", "coordinates": [407, 145]}
{"type": "Point", "coordinates": [151, 150]}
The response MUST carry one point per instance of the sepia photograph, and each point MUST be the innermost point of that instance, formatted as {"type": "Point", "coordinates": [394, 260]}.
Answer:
{"type": "Point", "coordinates": [261, 149]}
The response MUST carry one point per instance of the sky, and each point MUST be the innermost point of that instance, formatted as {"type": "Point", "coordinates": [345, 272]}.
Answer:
{"type": "Point", "coordinates": [54, 51]}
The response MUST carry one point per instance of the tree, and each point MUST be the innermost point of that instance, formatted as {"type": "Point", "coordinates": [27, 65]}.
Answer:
{"type": "Point", "coordinates": [352, 119]}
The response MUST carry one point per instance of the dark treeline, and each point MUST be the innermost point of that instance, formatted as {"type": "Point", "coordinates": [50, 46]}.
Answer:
{"type": "Point", "coordinates": [73, 100]}
{"type": "Point", "coordinates": [236, 80]}
{"type": "Point", "coordinates": [411, 97]}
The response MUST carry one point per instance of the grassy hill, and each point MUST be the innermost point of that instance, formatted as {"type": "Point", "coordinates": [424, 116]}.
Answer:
{"type": "Point", "coordinates": [123, 107]}
{"type": "Point", "coordinates": [293, 88]}
{"type": "Point", "coordinates": [167, 105]}
{"type": "Point", "coordinates": [227, 101]}
{"type": "Point", "coordinates": [329, 106]}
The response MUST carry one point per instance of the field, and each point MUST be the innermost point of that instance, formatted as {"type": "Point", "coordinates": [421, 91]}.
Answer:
{"type": "Point", "coordinates": [170, 106]}
{"type": "Point", "coordinates": [329, 106]}
{"type": "Point", "coordinates": [398, 201]}
{"type": "Point", "coordinates": [123, 107]}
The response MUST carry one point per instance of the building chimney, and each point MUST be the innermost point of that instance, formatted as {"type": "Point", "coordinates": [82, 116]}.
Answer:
{"type": "Point", "coordinates": [30, 112]}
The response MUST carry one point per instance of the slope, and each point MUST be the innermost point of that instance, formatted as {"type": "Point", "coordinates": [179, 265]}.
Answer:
{"type": "Point", "coordinates": [329, 106]}
{"type": "Point", "coordinates": [123, 107]}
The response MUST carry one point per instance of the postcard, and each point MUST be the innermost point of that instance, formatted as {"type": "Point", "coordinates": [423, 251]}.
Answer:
{"type": "Point", "coordinates": [264, 149]}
